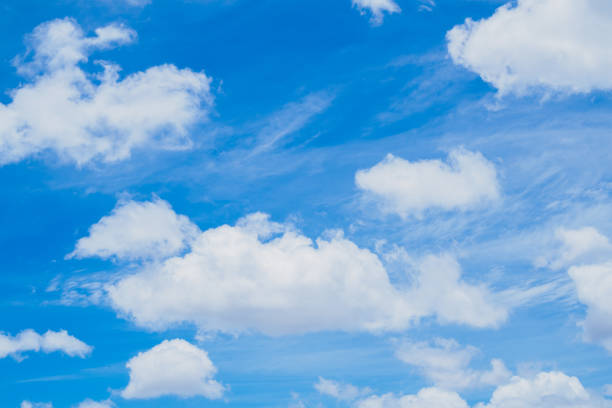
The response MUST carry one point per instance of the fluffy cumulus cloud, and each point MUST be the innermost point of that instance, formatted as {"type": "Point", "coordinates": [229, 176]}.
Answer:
{"type": "Point", "coordinates": [446, 364]}
{"type": "Point", "coordinates": [594, 286]}
{"type": "Point", "coordinates": [426, 398]}
{"type": "Point", "coordinates": [137, 231]}
{"type": "Point", "coordinates": [83, 117]}
{"type": "Point", "coordinates": [545, 390]}
{"type": "Point", "coordinates": [377, 8]}
{"type": "Point", "coordinates": [263, 276]}
{"type": "Point", "coordinates": [552, 45]}
{"type": "Point", "coordinates": [587, 254]}
{"type": "Point", "coordinates": [174, 367]}
{"type": "Point", "coordinates": [399, 186]}
{"type": "Point", "coordinates": [49, 342]}
{"type": "Point", "coordinates": [340, 391]}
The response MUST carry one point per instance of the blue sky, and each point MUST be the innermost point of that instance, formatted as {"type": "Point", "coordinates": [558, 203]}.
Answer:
{"type": "Point", "coordinates": [367, 203]}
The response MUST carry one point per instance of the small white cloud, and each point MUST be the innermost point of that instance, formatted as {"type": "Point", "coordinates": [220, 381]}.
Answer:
{"type": "Point", "coordinates": [377, 8]}
{"type": "Point", "coordinates": [407, 188]}
{"type": "Point", "coordinates": [446, 364]}
{"type": "Point", "coordinates": [268, 277]}
{"type": "Point", "coordinates": [134, 230]}
{"type": "Point", "coordinates": [545, 390]}
{"type": "Point", "coordinates": [51, 341]}
{"type": "Point", "coordinates": [533, 45]}
{"type": "Point", "coordinates": [340, 391]}
{"type": "Point", "coordinates": [96, 404]}
{"type": "Point", "coordinates": [174, 367]}
{"type": "Point", "coordinates": [426, 398]}
{"type": "Point", "coordinates": [28, 404]}
{"type": "Point", "coordinates": [83, 117]}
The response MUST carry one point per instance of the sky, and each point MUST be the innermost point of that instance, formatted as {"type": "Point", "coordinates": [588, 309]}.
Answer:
{"type": "Point", "coordinates": [339, 203]}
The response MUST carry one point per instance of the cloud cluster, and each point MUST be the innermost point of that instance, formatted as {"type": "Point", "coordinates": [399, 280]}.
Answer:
{"type": "Point", "coordinates": [268, 277]}
{"type": "Point", "coordinates": [407, 188]}
{"type": "Point", "coordinates": [83, 117]}
{"type": "Point", "coordinates": [535, 45]}
{"type": "Point", "coordinates": [544, 390]}
{"type": "Point", "coordinates": [377, 8]}
{"type": "Point", "coordinates": [174, 367]}
{"type": "Point", "coordinates": [446, 364]}
{"type": "Point", "coordinates": [51, 341]}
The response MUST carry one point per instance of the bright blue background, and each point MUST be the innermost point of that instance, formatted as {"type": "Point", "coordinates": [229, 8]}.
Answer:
{"type": "Point", "coordinates": [395, 91]}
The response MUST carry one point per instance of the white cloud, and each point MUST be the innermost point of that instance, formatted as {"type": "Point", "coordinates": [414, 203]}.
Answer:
{"type": "Point", "coordinates": [579, 246]}
{"type": "Point", "coordinates": [545, 390]}
{"type": "Point", "coordinates": [446, 364]}
{"type": "Point", "coordinates": [377, 8]}
{"type": "Point", "coordinates": [407, 188]}
{"type": "Point", "coordinates": [28, 404]}
{"type": "Point", "coordinates": [340, 391]}
{"type": "Point", "coordinates": [136, 230]}
{"type": "Point", "coordinates": [83, 117]}
{"type": "Point", "coordinates": [594, 286]}
{"type": "Point", "coordinates": [554, 45]}
{"type": "Point", "coordinates": [588, 255]}
{"type": "Point", "coordinates": [174, 367]}
{"type": "Point", "coordinates": [96, 404]}
{"type": "Point", "coordinates": [426, 398]}
{"type": "Point", "coordinates": [51, 341]}
{"type": "Point", "coordinates": [264, 276]}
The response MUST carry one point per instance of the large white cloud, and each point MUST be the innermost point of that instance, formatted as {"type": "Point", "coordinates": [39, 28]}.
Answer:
{"type": "Point", "coordinates": [408, 188]}
{"type": "Point", "coordinates": [49, 342]}
{"type": "Point", "coordinates": [553, 45]}
{"type": "Point", "coordinates": [545, 390]}
{"type": "Point", "coordinates": [137, 231]}
{"type": "Point", "coordinates": [426, 398]}
{"type": "Point", "coordinates": [83, 117]}
{"type": "Point", "coordinates": [377, 8]}
{"type": "Point", "coordinates": [268, 277]}
{"type": "Point", "coordinates": [174, 367]}
{"type": "Point", "coordinates": [446, 364]}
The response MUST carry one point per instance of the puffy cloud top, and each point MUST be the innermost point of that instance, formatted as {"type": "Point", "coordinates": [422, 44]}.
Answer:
{"type": "Point", "coordinates": [83, 117]}
{"type": "Point", "coordinates": [409, 188]}
{"type": "Point", "coordinates": [137, 231]}
{"type": "Point", "coordinates": [551, 45]}
{"type": "Point", "coordinates": [174, 367]}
